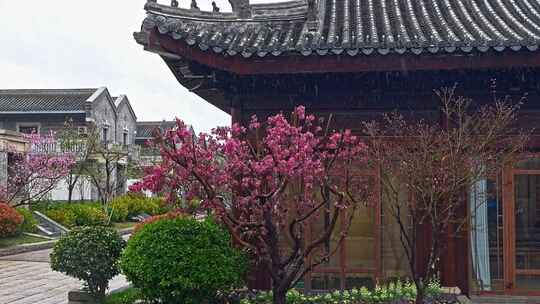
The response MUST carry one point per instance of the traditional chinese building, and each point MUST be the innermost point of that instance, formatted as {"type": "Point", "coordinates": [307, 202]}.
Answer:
{"type": "Point", "coordinates": [357, 59]}
{"type": "Point", "coordinates": [46, 111]}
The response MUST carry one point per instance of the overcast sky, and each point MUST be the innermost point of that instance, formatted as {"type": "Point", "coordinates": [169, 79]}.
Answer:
{"type": "Point", "coordinates": [89, 43]}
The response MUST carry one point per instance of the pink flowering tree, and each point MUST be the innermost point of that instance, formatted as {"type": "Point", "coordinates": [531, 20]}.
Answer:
{"type": "Point", "coordinates": [267, 183]}
{"type": "Point", "coordinates": [34, 174]}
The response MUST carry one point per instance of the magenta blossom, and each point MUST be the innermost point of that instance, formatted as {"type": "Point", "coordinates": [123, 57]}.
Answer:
{"type": "Point", "coordinates": [265, 183]}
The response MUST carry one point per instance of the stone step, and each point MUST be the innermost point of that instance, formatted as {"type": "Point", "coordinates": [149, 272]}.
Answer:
{"type": "Point", "coordinates": [45, 231]}
{"type": "Point", "coordinates": [47, 226]}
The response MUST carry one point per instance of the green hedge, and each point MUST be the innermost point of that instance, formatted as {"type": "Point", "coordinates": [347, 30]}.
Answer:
{"type": "Point", "coordinates": [93, 213]}
{"type": "Point", "coordinates": [74, 215]}
{"type": "Point", "coordinates": [129, 205]}
{"type": "Point", "coordinates": [29, 223]}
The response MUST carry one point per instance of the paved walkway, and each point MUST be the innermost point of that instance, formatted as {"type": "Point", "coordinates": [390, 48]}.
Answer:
{"type": "Point", "coordinates": [27, 278]}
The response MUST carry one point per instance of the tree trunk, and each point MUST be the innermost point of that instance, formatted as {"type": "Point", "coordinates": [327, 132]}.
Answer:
{"type": "Point", "coordinates": [280, 296]}
{"type": "Point", "coordinates": [420, 295]}
{"type": "Point", "coordinates": [70, 193]}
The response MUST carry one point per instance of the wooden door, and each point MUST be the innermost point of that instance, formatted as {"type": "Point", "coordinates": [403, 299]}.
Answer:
{"type": "Point", "coordinates": [523, 230]}
{"type": "Point", "coordinates": [521, 224]}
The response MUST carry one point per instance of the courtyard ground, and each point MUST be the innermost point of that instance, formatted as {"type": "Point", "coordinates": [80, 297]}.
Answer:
{"type": "Point", "coordinates": [27, 278]}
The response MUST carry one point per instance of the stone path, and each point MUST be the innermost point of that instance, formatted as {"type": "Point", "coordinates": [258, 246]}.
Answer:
{"type": "Point", "coordinates": [27, 278]}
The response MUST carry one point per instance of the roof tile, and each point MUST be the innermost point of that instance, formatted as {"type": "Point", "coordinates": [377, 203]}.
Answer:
{"type": "Point", "coordinates": [59, 100]}
{"type": "Point", "coordinates": [358, 27]}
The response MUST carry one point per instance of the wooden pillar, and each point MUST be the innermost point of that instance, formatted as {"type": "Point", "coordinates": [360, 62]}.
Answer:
{"type": "Point", "coordinates": [508, 227]}
{"type": "Point", "coordinates": [236, 115]}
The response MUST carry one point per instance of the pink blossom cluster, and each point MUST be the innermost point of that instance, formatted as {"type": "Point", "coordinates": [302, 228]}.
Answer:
{"type": "Point", "coordinates": [244, 173]}
{"type": "Point", "coordinates": [32, 175]}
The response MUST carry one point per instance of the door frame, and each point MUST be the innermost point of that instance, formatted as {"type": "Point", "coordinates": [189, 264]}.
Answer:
{"type": "Point", "coordinates": [509, 232]}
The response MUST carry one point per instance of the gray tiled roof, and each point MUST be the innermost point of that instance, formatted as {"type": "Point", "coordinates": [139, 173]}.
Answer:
{"type": "Point", "coordinates": [145, 129]}
{"type": "Point", "coordinates": [56, 100]}
{"type": "Point", "coordinates": [356, 27]}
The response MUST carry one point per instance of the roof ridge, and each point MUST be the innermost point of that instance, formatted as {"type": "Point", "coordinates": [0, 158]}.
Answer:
{"type": "Point", "coordinates": [155, 122]}
{"type": "Point", "coordinates": [47, 91]}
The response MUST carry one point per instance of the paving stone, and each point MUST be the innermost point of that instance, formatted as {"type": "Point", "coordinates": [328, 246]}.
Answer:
{"type": "Point", "coordinates": [27, 278]}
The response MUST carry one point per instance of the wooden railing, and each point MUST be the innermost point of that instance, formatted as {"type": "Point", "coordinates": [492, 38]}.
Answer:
{"type": "Point", "coordinates": [58, 148]}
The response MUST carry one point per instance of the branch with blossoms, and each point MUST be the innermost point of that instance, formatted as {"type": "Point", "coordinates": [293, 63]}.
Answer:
{"type": "Point", "coordinates": [427, 169]}
{"type": "Point", "coordinates": [267, 183]}
{"type": "Point", "coordinates": [34, 174]}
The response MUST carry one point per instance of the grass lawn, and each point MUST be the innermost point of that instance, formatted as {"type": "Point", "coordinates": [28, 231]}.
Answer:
{"type": "Point", "coordinates": [21, 239]}
{"type": "Point", "coordinates": [124, 225]}
{"type": "Point", "coordinates": [127, 296]}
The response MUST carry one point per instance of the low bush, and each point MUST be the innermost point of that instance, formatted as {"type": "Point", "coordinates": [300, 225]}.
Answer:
{"type": "Point", "coordinates": [182, 260]}
{"type": "Point", "coordinates": [133, 204]}
{"type": "Point", "coordinates": [90, 254]}
{"type": "Point", "coordinates": [80, 214]}
{"type": "Point", "coordinates": [10, 220]}
{"type": "Point", "coordinates": [128, 296]}
{"type": "Point", "coordinates": [29, 223]}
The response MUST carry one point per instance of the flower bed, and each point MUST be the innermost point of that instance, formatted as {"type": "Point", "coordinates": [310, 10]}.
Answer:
{"type": "Point", "coordinates": [382, 295]}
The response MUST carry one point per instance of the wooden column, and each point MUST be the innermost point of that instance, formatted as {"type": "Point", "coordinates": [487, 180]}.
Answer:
{"type": "Point", "coordinates": [236, 112]}
{"type": "Point", "coordinates": [508, 227]}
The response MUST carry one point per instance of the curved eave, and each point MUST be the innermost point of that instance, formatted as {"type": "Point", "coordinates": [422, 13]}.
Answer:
{"type": "Point", "coordinates": [198, 84]}
{"type": "Point", "coordinates": [293, 63]}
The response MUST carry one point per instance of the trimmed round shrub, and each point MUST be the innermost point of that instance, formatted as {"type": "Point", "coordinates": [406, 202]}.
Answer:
{"type": "Point", "coordinates": [168, 215]}
{"type": "Point", "coordinates": [182, 260]}
{"type": "Point", "coordinates": [10, 221]}
{"type": "Point", "coordinates": [90, 254]}
{"type": "Point", "coordinates": [29, 223]}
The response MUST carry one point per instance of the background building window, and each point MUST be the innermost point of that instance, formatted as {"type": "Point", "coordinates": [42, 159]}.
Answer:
{"type": "Point", "coordinates": [105, 134]}
{"type": "Point", "coordinates": [29, 129]}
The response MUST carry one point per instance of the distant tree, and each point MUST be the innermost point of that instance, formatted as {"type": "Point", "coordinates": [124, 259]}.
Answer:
{"type": "Point", "coordinates": [33, 175]}
{"type": "Point", "coordinates": [103, 165]}
{"type": "Point", "coordinates": [435, 164]}
{"type": "Point", "coordinates": [73, 142]}
{"type": "Point", "coordinates": [266, 184]}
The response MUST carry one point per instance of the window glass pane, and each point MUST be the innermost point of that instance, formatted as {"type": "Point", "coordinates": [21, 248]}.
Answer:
{"type": "Point", "coordinates": [394, 259]}
{"type": "Point", "coordinates": [318, 225]}
{"type": "Point", "coordinates": [527, 218]}
{"type": "Point", "coordinates": [528, 282]}
{"type": "Point", "coordinates": [529, 164]}
{"type": "Point", "coordinates": [325, 281]}
{"type": "Point", "coordinates": [360, 240]}
{"type": "Point", "coordinates": [358, 281]}
{"type": "Point", "coordinates": [28, 129]}
{"type": "Point", "coordinates": [527, 210]}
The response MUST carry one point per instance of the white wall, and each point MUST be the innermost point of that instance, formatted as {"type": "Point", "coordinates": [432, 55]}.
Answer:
{"type": "Point", "coordinates": [82, 191]}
